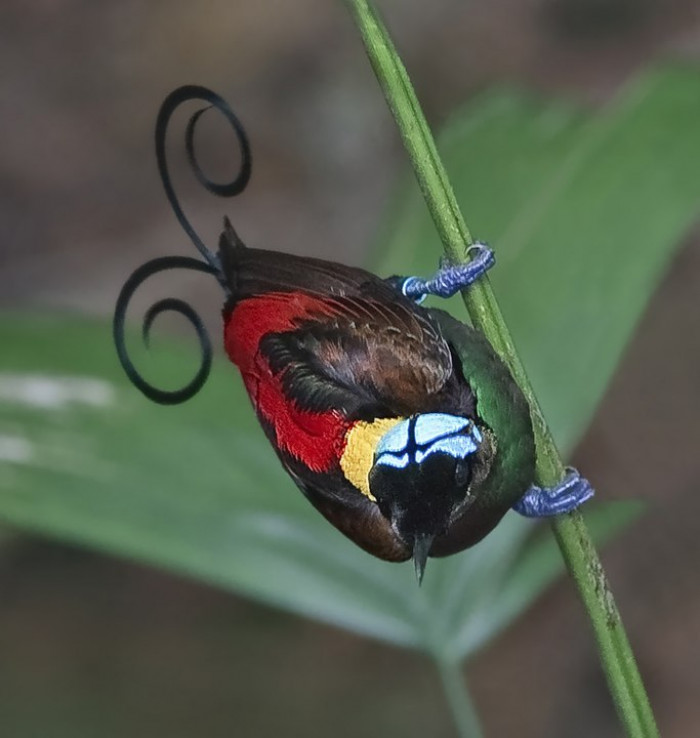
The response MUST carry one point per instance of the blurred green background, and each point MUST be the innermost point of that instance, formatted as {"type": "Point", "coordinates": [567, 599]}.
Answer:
{"type": "Point", "coordinates": [94, 646]}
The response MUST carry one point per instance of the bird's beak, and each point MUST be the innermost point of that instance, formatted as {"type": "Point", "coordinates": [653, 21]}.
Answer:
{"type": "Point", "coordinates": [421, 549]}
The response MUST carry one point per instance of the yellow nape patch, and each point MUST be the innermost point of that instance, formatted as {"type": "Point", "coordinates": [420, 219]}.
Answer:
{"type": "Point", "coordinates": [358, 456]}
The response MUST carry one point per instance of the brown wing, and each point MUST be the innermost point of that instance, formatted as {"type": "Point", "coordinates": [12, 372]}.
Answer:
{"type": "Point", "coordinates": [380, 353]}
{"type": "Point", "coordinates": [345, 338]}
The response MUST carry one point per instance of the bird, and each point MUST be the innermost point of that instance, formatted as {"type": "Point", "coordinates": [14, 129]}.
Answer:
{"type": "Point", "coordinates": [401, 425]}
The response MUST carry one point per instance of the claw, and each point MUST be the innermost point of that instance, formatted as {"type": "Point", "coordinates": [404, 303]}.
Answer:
{"type": "Point", "coordinates": [450, 278]}
{"type": "Point", "coordinates": [543, 502]}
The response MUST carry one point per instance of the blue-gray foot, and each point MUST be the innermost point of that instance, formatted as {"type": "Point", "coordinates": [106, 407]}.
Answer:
{"type": "Point", "coordinates": [450, 278]}
{"type": "Point", "coordinates": [543, 502]}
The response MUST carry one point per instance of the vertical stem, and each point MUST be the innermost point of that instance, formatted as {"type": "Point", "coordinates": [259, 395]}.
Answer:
{"type": "Point", "coordinates": [400, 97]}
{"type": "Point", "coordinates": [624, 679]}
{"type": "Point", "coordinates": [573, 538]}
{"type": "Point", "coordinates": [459, 699]}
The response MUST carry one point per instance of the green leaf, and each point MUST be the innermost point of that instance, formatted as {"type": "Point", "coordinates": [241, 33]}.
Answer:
{"type": "Point", "coordinates": [538, 564]}
{"type": "Point", "coordinates": [196, 488]}
{"type": "Point", "coordinates": [584, 211]}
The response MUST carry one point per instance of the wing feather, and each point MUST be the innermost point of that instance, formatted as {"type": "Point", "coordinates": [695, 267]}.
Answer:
{"type": "Point", "coordinates": [348, 340]}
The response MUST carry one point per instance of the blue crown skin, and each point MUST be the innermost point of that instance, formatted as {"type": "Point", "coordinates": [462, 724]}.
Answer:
{"type": "Point", "coordinates": [417, 438]}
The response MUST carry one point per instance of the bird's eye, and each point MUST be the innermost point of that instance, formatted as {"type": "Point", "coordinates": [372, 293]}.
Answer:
{"type": "Point", "coordinates": [462, 473]}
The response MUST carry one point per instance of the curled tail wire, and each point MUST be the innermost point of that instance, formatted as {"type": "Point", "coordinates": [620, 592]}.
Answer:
{"type": "Point", "coordinates": [210, 265]}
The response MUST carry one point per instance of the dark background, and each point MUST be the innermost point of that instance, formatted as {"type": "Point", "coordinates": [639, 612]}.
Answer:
{"type": "Point", "coordinates": [91, 646]}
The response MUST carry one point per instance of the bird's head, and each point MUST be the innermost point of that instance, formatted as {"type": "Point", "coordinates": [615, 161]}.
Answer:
{"type": "Point", "coordinates": [421, 475]}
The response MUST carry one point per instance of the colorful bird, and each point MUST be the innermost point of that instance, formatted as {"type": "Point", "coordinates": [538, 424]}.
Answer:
{"type": "Point", "coordinates": [399, 424]}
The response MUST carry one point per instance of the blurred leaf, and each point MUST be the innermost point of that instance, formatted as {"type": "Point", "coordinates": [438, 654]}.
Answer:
{"type": "Point", "coordinates": [584, 212]}
{"type": "Point", "coordinates": [538, 564]}
{"type": "Point", "coordinates": [7, 536]}
{"type": "Point", "coordinates": [196, 488]}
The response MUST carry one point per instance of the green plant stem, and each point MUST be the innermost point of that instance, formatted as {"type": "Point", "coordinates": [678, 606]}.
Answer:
{"type": "Point", "coordinates": [459, 700]}
{"type": "Point", "coordinates": [572, 536]}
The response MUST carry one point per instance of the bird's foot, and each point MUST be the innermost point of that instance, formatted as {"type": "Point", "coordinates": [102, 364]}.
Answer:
{"type": "Point", "coordinates": [543, 502]}
{"type": "Point", "coordinates": [450, 278]}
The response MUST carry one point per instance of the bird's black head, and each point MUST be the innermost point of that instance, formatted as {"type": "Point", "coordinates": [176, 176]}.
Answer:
{"type": "Point", "coordinates": [420, 477]}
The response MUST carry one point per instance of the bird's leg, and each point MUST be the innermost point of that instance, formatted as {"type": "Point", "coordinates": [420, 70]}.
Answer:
{"type": "Point", "coordinates": [450, 278]}
{"type": "Point", "coordinates": [543, 502]}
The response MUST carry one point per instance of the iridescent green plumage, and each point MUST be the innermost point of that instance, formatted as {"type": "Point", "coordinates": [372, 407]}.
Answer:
{"type": "Point", "coordinates": [504, 416]}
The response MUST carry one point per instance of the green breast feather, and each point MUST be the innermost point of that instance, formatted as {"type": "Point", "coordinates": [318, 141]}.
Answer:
{"type": "Point", "coordinates": [502, 409]}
